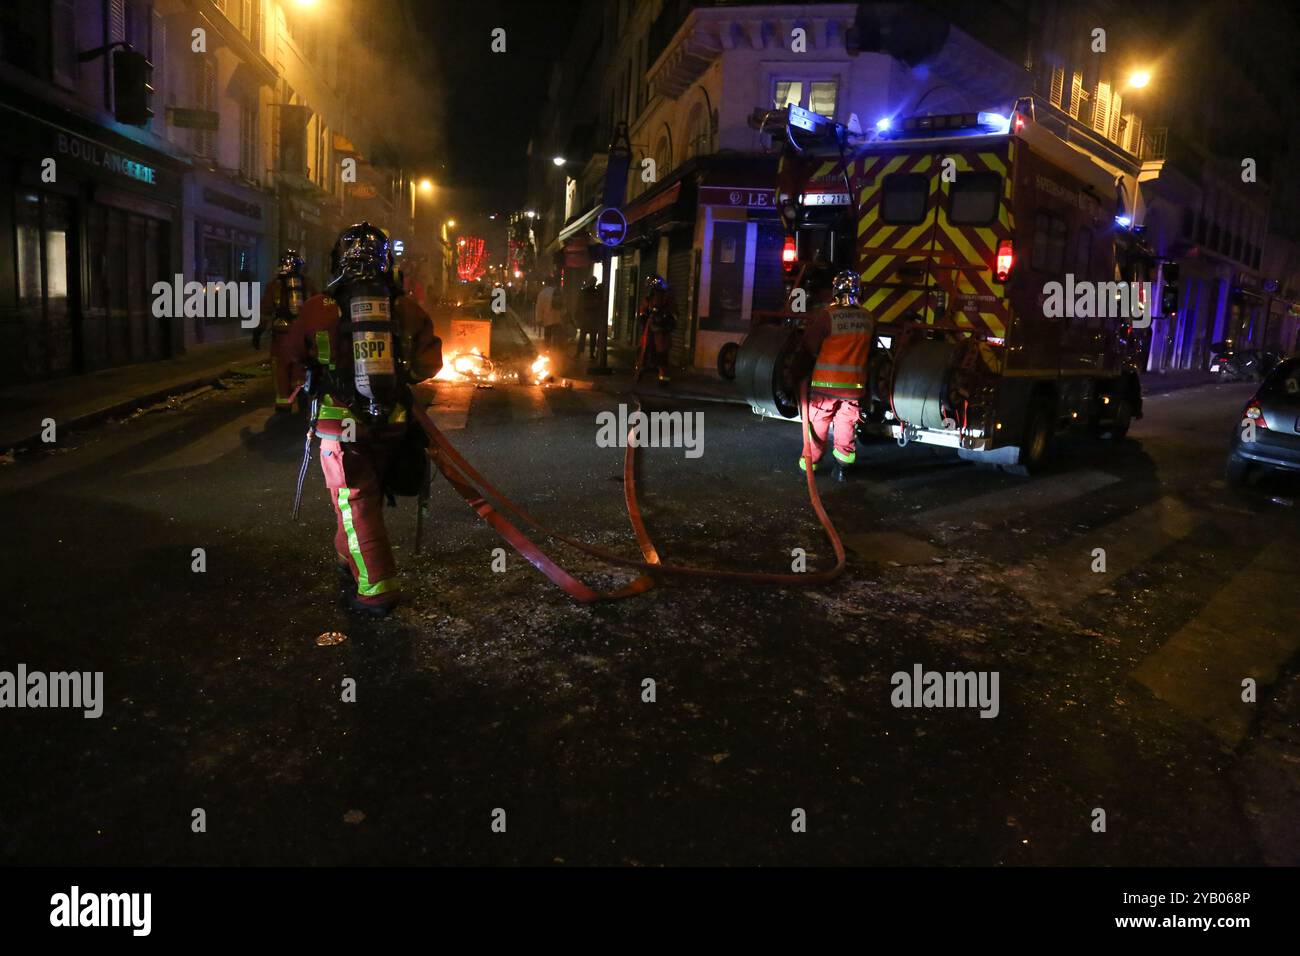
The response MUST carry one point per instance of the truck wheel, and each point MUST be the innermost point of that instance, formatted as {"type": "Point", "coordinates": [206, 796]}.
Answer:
{"type": "Point", "coordinates": [727, 360]}
{"type": "Point", "coordinates": [1036, 444]}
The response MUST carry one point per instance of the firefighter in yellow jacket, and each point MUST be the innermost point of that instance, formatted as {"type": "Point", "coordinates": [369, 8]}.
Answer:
{"type": "Point", "coordinates": [839, 337]}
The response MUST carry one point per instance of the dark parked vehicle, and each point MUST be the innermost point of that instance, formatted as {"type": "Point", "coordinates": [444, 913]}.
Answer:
{"type": "Point", "coordinates": [1241, 365]}
{"type": "Point", "coordinates": [1268, 437]}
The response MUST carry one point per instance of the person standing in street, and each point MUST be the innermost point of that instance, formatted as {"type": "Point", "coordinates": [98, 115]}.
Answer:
{"type": "Point", "coordinates": [591, 318]}
{"type": "Point", "coordinates": [838, 336]}
{"type": "Point", "coordinates": [544, 308]}
{"type": "Point", "coordinates": [658, 318]}
{"type": "Point", "coordinates": [361, 347]}
{"type": "Point", "coordinates": [281, 303]}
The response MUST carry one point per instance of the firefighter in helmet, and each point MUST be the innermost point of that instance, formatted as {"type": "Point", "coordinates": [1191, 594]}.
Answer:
{"type": "Point", "coordinates": [658, 318]}
{"type": "Point", "coordinates": [362, 345]}
{"type": "Point", "coordinates": [281, 302]}
{"type": "Point", "coordinates": [838, 336]}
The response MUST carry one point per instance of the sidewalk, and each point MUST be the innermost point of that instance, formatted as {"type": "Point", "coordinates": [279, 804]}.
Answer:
{"type": "Point", "coordinates": [1158, 383]}
{"type": "Point", "coordinates": [80, 400]}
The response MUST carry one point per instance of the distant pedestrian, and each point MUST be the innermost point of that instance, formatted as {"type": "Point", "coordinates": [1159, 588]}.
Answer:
{"type": "Point", "coordinates": [591, 318]}
{"type": "Point", "coordinates": [543, 307]}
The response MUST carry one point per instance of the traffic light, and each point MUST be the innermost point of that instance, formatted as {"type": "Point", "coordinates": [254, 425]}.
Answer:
{"type": "Point", "coordinates": [132, 87]}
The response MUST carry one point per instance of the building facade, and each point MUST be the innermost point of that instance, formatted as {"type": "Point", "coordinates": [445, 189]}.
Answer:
{"type": "Point", "coordinates": [256, 106]}
{"type": "Point", "coordinates": [686, 75]}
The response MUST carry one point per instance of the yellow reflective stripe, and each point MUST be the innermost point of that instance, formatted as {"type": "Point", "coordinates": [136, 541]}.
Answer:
{"type": "Point", "coordinates": [354, 546]}
{"type": "Point", "coordinates": [334, 413]}
{"type": "Point", "coordinates": [323, 349]}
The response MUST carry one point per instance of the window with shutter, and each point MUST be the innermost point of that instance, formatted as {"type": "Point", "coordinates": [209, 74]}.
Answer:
{"type": "Point", "coordinates": [1101, 108]}
{"type": "Point", "coordinates": [1076, 94]}
{"type": "Point", "coordinates": [1058, 86]}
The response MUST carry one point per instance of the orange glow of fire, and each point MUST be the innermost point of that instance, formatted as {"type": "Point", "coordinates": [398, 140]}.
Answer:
{"type": "Point", "coordinates": [471, 366]}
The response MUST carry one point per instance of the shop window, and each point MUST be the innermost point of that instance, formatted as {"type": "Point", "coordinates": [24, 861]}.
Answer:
{"type": "Point", "coordinates": [974, 198]}
{"type": "Point", "coordinates": [904, 197]}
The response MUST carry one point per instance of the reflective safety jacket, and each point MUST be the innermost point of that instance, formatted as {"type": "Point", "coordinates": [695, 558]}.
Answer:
{"type": "Point", "coordinates": [313, 338]}
{"type": "Point", "coordinates": [841, 341]}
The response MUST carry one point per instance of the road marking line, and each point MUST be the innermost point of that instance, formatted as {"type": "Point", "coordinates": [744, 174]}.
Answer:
{"type": "Point", "coordinates": [1247, 629]}
{"type": "Point", "coordinates": [1063, 577]}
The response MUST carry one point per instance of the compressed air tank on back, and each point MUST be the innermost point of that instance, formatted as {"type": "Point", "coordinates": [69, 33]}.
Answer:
{"type": "Point", "coordinates": [369, 316]}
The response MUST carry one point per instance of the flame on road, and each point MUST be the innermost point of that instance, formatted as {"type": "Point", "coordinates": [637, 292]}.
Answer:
{"type": "Point", "coordinates": [471, 366]}
{"type": "Point", "coordinates": [476, 368]}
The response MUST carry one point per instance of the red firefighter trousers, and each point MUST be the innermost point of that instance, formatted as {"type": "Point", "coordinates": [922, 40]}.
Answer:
{"type": "Point", "coordinates": [354, 476]}
{"type": "Point", "coordinates": [655, 345]}
{"type": "Point", "coordinates": [825, 411]}
{"type": "Point", "coordinates": [284, 372]}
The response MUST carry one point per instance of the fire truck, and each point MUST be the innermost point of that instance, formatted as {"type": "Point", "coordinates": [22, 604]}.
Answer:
{"type": "Point", "coordinates": [959, 224]}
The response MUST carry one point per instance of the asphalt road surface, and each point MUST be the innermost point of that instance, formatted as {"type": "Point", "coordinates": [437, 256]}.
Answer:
{"type": "Point", "coordinates": [1119, 691]}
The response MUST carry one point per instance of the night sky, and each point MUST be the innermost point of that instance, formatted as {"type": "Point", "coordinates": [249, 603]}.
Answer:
{"type": "Point", "coordinates": [490, 101]}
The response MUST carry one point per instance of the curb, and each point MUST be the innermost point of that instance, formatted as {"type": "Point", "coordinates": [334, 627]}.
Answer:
{"type": "Point", "coordinates": [133, 403]}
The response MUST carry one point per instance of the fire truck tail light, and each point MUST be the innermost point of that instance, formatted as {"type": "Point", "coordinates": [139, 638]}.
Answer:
{"type": "Point", "coordinates": [1018, 122]}
{"type": "Point", "coordinates": [1006, 259]}
{"type": "Point", "coordinates": [790, 252]}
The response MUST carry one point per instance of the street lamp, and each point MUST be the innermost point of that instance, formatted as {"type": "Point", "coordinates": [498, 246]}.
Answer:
{"type": "Point", "coordinates": [426, 185]}
{"type": "Point", "coordinates": [558, 160]}
{"type": "Point", "coordinates": [1138, 79]}
{"type": "Point", "coordinates": [451, 223]}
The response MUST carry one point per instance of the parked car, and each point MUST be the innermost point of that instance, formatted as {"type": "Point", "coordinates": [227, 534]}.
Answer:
{"type": "Point", "coordinates": [1241, 365]}
{"type": "Point", "coordinates": [1268, 436]}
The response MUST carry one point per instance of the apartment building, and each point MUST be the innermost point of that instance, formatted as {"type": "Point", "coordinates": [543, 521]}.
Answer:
{"type": "Point", "coordinates": [267, 130]}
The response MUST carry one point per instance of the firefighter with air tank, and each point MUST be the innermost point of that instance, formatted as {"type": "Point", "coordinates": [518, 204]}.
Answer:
{"type": "Point", "coordinates": [281, 303]}
{"type": "Point", "coordinates": [838, 338]}
{"type": "Point", "coordinates": [362, 345]}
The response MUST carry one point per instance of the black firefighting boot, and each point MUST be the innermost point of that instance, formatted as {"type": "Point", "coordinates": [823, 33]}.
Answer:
{"type": "Point", "coordinates": [360, 605]}
{"type": "Point", "coordinates": [840, 472]}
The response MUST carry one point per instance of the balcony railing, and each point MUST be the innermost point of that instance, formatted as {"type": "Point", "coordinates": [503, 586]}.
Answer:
{"type": "Point", "coordinates": [1154, 145]}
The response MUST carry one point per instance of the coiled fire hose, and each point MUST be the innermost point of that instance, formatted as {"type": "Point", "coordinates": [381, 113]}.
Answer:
{"type": "Point", "coordinates": [479, 493]}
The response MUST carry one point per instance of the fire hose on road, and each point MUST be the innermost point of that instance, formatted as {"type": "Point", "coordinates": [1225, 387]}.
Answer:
{"type": "Point", "coordinates": [479, 493]}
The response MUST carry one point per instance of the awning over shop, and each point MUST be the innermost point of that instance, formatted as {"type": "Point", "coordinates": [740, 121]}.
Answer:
{"type": "Point", "coordinates": [581, 225]}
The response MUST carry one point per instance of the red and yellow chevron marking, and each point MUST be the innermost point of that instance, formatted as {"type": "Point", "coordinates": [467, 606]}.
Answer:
{"type": "Point", "coordinates": [955, 259]}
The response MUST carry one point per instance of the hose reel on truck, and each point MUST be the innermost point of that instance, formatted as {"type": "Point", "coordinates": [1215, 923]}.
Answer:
{"type": "Point", "coordinates": [769, 367]}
